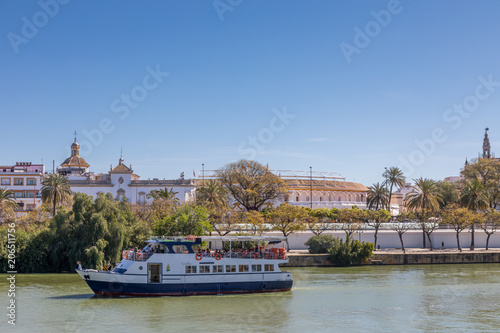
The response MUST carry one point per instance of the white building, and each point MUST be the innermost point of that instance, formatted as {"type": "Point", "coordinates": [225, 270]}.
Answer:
{"type": "Point", "coordinates": [120, 181]}
{"type": "Point", "coordinates": [25, 180]}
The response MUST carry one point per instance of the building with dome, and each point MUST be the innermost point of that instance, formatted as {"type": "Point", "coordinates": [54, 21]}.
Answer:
{"type": "Point", "coordinates": [120, 181]}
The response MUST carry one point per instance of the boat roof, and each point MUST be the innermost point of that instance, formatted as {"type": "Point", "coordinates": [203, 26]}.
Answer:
{"type": "Point", "coordinates": [217, 238]}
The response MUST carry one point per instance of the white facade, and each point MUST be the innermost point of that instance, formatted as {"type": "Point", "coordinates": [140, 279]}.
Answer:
{"type": "Point", "coordinates": [122, 183]}
{"type": "Point", "coordinates": [25, 180]}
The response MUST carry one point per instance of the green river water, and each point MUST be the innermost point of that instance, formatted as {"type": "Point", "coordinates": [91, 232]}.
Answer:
{"type": "Point", "coordinates": [430, 298]}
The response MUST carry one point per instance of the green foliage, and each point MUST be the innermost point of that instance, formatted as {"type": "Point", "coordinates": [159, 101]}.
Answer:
{"type": "Point", "coordinates": [320, 244]}
{"type": "Point", "coordinates": [187, 220]}
{"type": "Point", "coordinates": [350, 252]}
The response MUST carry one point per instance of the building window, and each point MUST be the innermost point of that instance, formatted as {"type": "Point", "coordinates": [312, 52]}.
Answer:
{"type": "Point", "coordinates": [204, 269]}
{"type": "Point", "coordinates": [243, 268]}
{"type": "Point", "coordinates": [30, 207]}
{"type": "Point", "coordinates": [18, 181]}
{"type": "Point", "coordinates": [297, 198]}
{"type": "Point", "coordinates": [218, 269]}
{"type": "Point", "coordinates": [269, 267]}
{"type": "Point", "coordinates": [30, 195]}
{"type": "Point", "coordinates": [230, 268]}
{"type": "Point", "coordinates": [190, 269]}
{"type": "Point", "coordinates": [31, 181]}
{"type": "Point", "coordinates": [18, 194]}
{"type": "Point", "coordinates": [256, 268]}
{"type": "Point", "coordinates": [5, 181]}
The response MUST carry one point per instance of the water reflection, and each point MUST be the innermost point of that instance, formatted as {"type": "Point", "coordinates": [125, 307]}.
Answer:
{"type": "Point", "coordinates": [379, 298]}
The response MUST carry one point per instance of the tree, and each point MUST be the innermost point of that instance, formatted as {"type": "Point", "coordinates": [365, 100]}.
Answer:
{"type": "Point", "coordinates": [425, 198]}
{"type": "Point", "coordinates": [255, 221]}
{"type": "Point", "coordinates": [490, 224]}
{"type": "Point", "coordinates": [320, 220]}
{"type": "Point", "coordinates": [165, 195]}
{"type": "Point", "coordinates": [213, 196]}
{"type": "Point", "coordinates": [351, 220]}
{"type": "Point", "coordinates": [55, 189]}
{"type": "Point", "coordinates": [187, 220]}
{"type": "Point", "coordinates": [428, 225]}
{"type": "Point", "coordinates": [474, 198]}
{"type": "Point", "coordinates": [377, 196]}
{"type": "Point", "coordinates": [8, 205]}
{"type": "Point", "coordinates": [251, 184]}
{"type": "Point", "coordinates": [287, 219]}
{"type": "Point", "coordinates": [393, 177]}
{"type": "Point", "coordinates": [375, 219]}
{"type": "Point", "coordinates": [449, 193]}
{"type": "Point", "coordinates": [350, 252]}
{"type": "Point", "coordinates": [401, 227]}
{"type": "Point", "coordinates": [458, 218]}
{"type": "Point", "coordinates": [486, 171]}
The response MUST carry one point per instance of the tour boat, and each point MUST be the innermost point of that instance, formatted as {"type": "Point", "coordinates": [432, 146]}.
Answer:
{"type": "Point", "coordinates": [196, 265]}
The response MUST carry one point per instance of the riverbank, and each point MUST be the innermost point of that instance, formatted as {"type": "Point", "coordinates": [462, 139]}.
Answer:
{"type": "Point", "coordinates": [413, 256]}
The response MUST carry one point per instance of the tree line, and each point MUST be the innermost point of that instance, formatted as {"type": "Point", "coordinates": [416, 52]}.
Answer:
{"type": "Point", "coordinates": [71, 227]}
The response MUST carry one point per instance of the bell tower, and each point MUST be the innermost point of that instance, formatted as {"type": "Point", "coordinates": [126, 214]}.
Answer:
{"type": "Point", "coordinates": [486, 145]}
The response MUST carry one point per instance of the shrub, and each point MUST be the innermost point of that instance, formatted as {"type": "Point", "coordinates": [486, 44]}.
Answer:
{"type": "Point", "coordinates": [320, 244]}
{"type": "Point", "coordinates": [350, 252]}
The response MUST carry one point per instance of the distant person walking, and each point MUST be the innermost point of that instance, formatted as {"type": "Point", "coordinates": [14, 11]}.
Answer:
{"type": "Point", "coordinates": [442, 245]}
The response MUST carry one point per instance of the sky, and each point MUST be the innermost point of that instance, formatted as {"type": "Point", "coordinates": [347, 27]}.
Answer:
{"type": "Point", "coordinates": [350, 87]}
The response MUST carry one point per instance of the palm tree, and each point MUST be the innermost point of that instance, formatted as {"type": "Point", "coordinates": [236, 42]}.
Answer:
{"type": "Point", "coordinates": [393, 177]}
{"type": "Point", "coordinates": [55, 189]}
{"type": "Point", "coordinates": [425, 197]}
{"type": "Point", "coordinates": [212, 195]}
{"type": "Point", "coordinates": [474, 197]}
{"type": "Point", "coordinates": [166, 195]}
{"type": "Point", "coordinates": [7, 200]}
{"type": "Point", "coordinates": [377, 196]}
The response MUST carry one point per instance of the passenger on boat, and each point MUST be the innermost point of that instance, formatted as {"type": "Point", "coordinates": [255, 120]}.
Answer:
{"type": "Point", "coordinates": [79, 266]}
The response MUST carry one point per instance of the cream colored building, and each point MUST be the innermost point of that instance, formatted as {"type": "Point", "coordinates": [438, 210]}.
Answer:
{"type": "Point", "coordinates": [25, 180]}
{"type": "Point", "coordinates": [120, 181]}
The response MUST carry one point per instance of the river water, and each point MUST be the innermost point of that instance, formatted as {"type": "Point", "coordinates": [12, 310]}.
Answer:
{"type": "Point", "coordinates": [452, 298]}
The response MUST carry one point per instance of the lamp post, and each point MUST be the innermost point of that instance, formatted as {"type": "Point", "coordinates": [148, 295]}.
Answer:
{"type": "Point", "coordinates": [311, 188]}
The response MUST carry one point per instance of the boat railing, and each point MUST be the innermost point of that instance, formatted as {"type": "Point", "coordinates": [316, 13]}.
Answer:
{"type": "Point", "coordinates": [247, 255]}
{"type": "Point", "coordinates": [144, 256]}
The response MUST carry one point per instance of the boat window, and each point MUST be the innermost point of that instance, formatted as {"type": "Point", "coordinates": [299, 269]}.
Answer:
{"type": "Point", "coordinates": [204, 269]}
{"type": "Point", "coordinates": [218, 269]}
{"type": "Point", "coordinates": [230, 268]}
{"type": "Point", "coordinates": [180, 249]}
{"type": "Point", "coordinates": [269, 267]}
{"type": "Point", "coordinates": [243, 268]}
{"type": "Point", "coordinates": [256, 268]}
{"type": "Point", "coordinates": [190, 269]}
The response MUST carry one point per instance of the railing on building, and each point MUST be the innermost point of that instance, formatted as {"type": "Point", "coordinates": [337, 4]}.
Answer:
{"type": "Point", "coordinates": [165, 182]}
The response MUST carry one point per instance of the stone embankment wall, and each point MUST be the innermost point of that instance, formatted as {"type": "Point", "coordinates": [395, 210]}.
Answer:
{"type": "Point", "coordinates": [469, 257]}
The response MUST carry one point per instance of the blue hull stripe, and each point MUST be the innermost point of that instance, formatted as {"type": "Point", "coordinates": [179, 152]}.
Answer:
{"type": "Point", "coordinates": [169, 289]}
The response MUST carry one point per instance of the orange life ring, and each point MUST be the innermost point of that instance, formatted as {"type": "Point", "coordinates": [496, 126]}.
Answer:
{"type": "Point", "coordinates": [218, 256]}
{"type": "Point", "coordinates": [126, 254]}
{"type": "Point", "coordinates": [257, 255]}
{"type": "Point", "coordinates": [268, 255]}
{"type": "Point", "coordinates": [198, 256]}
{"type": "Point", "coordinates": [138, 256]}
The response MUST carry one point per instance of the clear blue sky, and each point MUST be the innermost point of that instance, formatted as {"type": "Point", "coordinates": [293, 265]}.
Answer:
{"type": "Point", "coordinates": [231, 69]}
